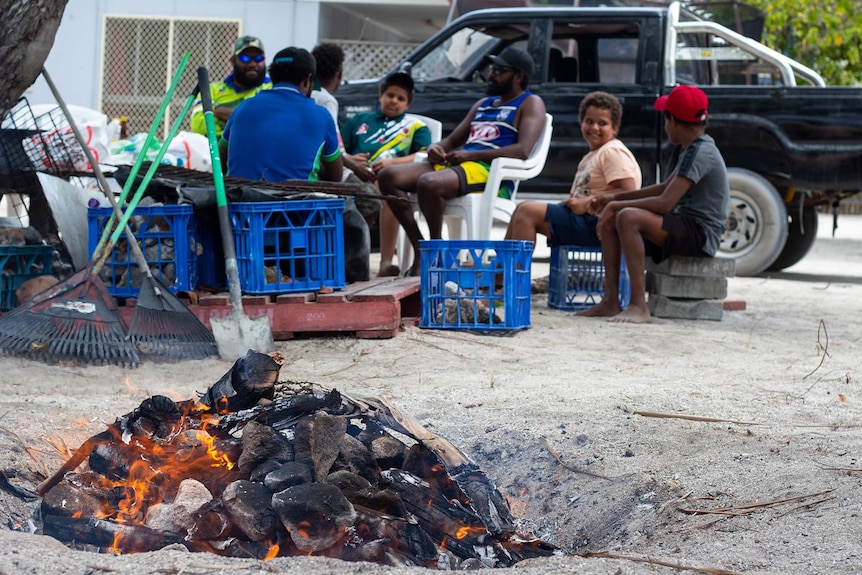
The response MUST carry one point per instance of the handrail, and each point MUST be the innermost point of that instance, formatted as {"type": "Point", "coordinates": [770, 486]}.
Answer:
{"type": "Point", "coordinates": [787, 65]}
{"type": "Point", "coordinates": [789, 68]}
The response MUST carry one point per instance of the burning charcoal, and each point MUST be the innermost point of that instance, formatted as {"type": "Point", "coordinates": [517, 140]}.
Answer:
{"type": "Point", "coordinates": [251, 378]}
{"type": "Point", "coordinates": [388, 452]}
{"type": "Point", "coordinates": [315, 514]}
{"type": "Point", "coordinates": [261, 442]}
{"type": "Point", "coordinates": [157, 416]}
{"type": "Point", "coordinates": [287, 475]}
{"type": "Point", "coordinates": [248, 504]}
{"type": "Point", "coordinates": [67, 500]}
{"type": "Point", "coordinates": [179, 515]}
{"type": "Point", "coordinates": [247, 549]}
{"type": "Point", "coordinates": [210, 522]}
{"type": "Point", "coordinates": [317, 442]}
{"type": "Point", "coordinates": [261, 471]}
{"type": "Point", "coordinates": [355, 457]}
{"type": "Point", "coordinates": [111, 460]}
{"type": "Point", "coordinates": [359, 491]}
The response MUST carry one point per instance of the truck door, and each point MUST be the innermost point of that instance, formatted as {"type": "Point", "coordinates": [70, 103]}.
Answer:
{"type": "Point", "coordinates": [589, 51]}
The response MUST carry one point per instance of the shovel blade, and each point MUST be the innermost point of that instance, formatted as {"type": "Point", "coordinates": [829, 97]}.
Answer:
{"type": "Point", "coordinates": [238, 333]}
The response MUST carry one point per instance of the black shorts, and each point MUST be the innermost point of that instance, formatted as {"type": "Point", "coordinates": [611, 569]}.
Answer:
{"type": "Point", "coordinates": [685, 237]}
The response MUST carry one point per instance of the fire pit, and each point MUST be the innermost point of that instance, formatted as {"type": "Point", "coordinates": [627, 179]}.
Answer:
{"type": "Point", "coordinates": [244, 471]}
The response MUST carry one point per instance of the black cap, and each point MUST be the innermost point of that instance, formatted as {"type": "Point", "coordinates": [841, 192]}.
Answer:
{"type": "Point", "coordinates": [513, 57]}
{"type": "Point", "coordinates": [298, 58]}
{"type": "Point", "coordinates": [400, 79]}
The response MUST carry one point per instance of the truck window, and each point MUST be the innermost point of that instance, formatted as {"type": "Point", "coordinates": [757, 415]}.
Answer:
{"type": "Point", "coordinates": [461, 55]}
{"type": "Point", "coordinates": [709, 60]}
{"type": "Point", "coordinates": [593, 52]}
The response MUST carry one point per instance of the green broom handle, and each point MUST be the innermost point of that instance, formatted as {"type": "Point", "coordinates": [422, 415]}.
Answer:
{"type": "Point", "coordinates": [151, 135]}
{"type": "Point", "coordinates": [154, 166]}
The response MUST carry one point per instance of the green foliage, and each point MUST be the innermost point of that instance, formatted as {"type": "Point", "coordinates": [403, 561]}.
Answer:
{"type": "Point", "coordinates": [822, 34]}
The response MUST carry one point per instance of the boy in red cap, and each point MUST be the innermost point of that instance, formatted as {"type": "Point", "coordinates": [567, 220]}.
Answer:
{"type": "Point", "coordinates": [684, 215]}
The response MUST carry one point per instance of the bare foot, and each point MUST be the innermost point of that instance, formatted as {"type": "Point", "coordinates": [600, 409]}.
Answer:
{"type": "Point", "coordinates": [389, 270]}
{"type": "Point", "coordinates": [605, 308]}
{"type": "Point", "coordinates": [632, 314]}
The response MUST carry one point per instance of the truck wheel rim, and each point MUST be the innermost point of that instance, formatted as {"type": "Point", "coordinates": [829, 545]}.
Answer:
{"type": "Point", "coordinates": [743, 225]}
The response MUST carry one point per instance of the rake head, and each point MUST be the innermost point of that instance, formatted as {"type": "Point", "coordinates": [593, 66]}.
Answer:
{"type": "Point", "coordinates": [162, 327]}
{"type": "Point", "coordinates": [74, 321]}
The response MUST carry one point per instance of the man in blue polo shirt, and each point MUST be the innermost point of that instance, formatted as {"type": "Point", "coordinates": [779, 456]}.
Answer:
{"type": "Point", "coordinates": [281, 134]}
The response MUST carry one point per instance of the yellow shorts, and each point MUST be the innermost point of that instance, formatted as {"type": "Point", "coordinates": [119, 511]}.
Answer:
{"type": "Point", "coordinates": [473, 177]}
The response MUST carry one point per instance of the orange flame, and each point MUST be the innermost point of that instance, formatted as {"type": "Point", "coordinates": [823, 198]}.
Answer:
{"type": "Point", "coordinates": [272, 552]}
{"type": "Point", "coordinates": [466, 530]}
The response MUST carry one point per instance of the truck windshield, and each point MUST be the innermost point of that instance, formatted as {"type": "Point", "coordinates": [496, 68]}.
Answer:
{"type": "Point", "coordinates": [456, 57]}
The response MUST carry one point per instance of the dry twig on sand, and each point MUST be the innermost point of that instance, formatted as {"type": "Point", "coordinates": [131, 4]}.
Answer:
{"type": "Point", "coordinates": [566, 465]}
{"type": "Point", "coordinates": [737, 510]}
{"type": "Point", "coordinates": [824, 347]}
{"type": "Point", "coordinates": [705, 570]}
{"type": "Point", "coordinates": [693, 418]}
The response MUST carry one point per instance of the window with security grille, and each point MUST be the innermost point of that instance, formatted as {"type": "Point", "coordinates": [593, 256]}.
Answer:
{"type": "Point", "coordinates": [141, 56]}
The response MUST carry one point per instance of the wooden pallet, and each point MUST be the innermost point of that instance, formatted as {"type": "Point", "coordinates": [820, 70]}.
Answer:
{"type": "Point", "coordinates": [374, 309]}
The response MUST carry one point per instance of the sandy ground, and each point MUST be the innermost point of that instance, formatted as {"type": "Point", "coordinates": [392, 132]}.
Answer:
{"type": "Point", "coordinates": [786, 371]}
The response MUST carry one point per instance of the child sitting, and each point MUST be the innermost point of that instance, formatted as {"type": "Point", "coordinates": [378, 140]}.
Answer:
{"type": "Point", "coordinates": [374, 140]}
{"type": "Point", "coordinates": [685, 215]}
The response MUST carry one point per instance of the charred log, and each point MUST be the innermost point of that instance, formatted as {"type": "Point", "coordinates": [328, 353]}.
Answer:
{"type": "Point", "coordinates": [107, 534]}
{"type": "Point", "coordinates": [156, 417]}
{"type": "Point", "coordinates": [251, 379]}
{"type": "Point", "coordinates": [282, 413]}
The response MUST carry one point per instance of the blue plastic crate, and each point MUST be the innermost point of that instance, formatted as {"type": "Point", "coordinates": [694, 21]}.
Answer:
{"type": "Point", "coordinates": [458, 280]}
{"type": "Point", "coordinates": [167, 235]}
{"type": "Point", "coordinates": [577, 278]}
{"type": "Point", "coordinates": [289, 246]}
{"type": "Point", "coordinates": [18, 264]}
{"type": "Point", "coordinates": [211, 272]}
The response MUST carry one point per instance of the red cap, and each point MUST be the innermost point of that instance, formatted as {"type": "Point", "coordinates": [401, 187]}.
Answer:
{"type": "Point", "coordinates": [685, 103]}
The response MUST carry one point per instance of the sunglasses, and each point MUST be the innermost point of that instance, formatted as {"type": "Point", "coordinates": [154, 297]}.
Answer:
{"type": "Point", "coordinates": [497, 70]}
{"type": "Point", "coordinates": [245, 58]}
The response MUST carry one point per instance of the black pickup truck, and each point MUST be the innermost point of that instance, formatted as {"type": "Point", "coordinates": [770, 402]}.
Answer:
{"type": "Point", "coordinates": [789, 147]}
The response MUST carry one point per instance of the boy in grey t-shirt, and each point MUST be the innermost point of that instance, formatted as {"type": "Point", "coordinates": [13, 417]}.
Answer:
{"type": "Point", "coordinates": [685, 215]}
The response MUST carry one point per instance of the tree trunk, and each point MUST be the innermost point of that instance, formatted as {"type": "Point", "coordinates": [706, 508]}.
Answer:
{"type": "Point", "coordinates": [27, 32]}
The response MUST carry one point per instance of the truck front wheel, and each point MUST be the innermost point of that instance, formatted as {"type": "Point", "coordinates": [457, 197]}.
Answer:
{"type": "Point", "coordinates": [757, 225]}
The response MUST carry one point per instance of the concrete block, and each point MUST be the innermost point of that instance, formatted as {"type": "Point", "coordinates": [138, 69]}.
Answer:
{"type": "Point", "coordinates": [686, 287]}
{"type": "Point", "coordinates": [696, 267]}
{"type": "Point", "coordinates": [662, 306]}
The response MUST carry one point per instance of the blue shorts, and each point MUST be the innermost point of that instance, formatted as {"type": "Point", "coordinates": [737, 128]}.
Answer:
{"type": "Point", "coordinates": [570, 229]}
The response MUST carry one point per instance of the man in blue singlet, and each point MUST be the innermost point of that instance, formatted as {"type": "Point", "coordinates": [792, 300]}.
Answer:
{"type": "Point", "coordinates": [505, 124]}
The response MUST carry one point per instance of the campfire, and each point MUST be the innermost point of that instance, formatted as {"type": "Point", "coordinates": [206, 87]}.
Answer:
{"type": "Point", "coordinates": [244, 471]}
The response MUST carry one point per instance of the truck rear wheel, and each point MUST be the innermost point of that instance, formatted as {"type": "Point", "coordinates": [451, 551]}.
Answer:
{"type": "Point", "coordinates": [800, 239]}
{"type": "Point", "coordinates": [757, 225]}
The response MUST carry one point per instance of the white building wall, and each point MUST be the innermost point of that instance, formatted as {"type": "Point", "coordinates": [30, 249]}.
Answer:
{"type": "Point", "coordinates": [75, 59]}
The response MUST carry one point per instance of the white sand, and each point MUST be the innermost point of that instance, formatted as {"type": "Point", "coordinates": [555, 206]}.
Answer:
{"type": "Point", "coordinates": [577, 383]}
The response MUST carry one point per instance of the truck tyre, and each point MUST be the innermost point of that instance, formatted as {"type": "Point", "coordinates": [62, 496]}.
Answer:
{"type": "Point", "coordinates": [757, 225]}
{"type": "Point", "coordinates": [800, 239]}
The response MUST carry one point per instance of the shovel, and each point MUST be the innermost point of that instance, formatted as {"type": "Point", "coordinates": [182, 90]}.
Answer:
{"type": "Point", "coordinates": [237, 333]}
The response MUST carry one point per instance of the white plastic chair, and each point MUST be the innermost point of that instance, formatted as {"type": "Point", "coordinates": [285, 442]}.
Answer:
{"type": "Point", "coordinates": [479, 210]}
{"type": "Point", "coordinates": [434, 126]}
